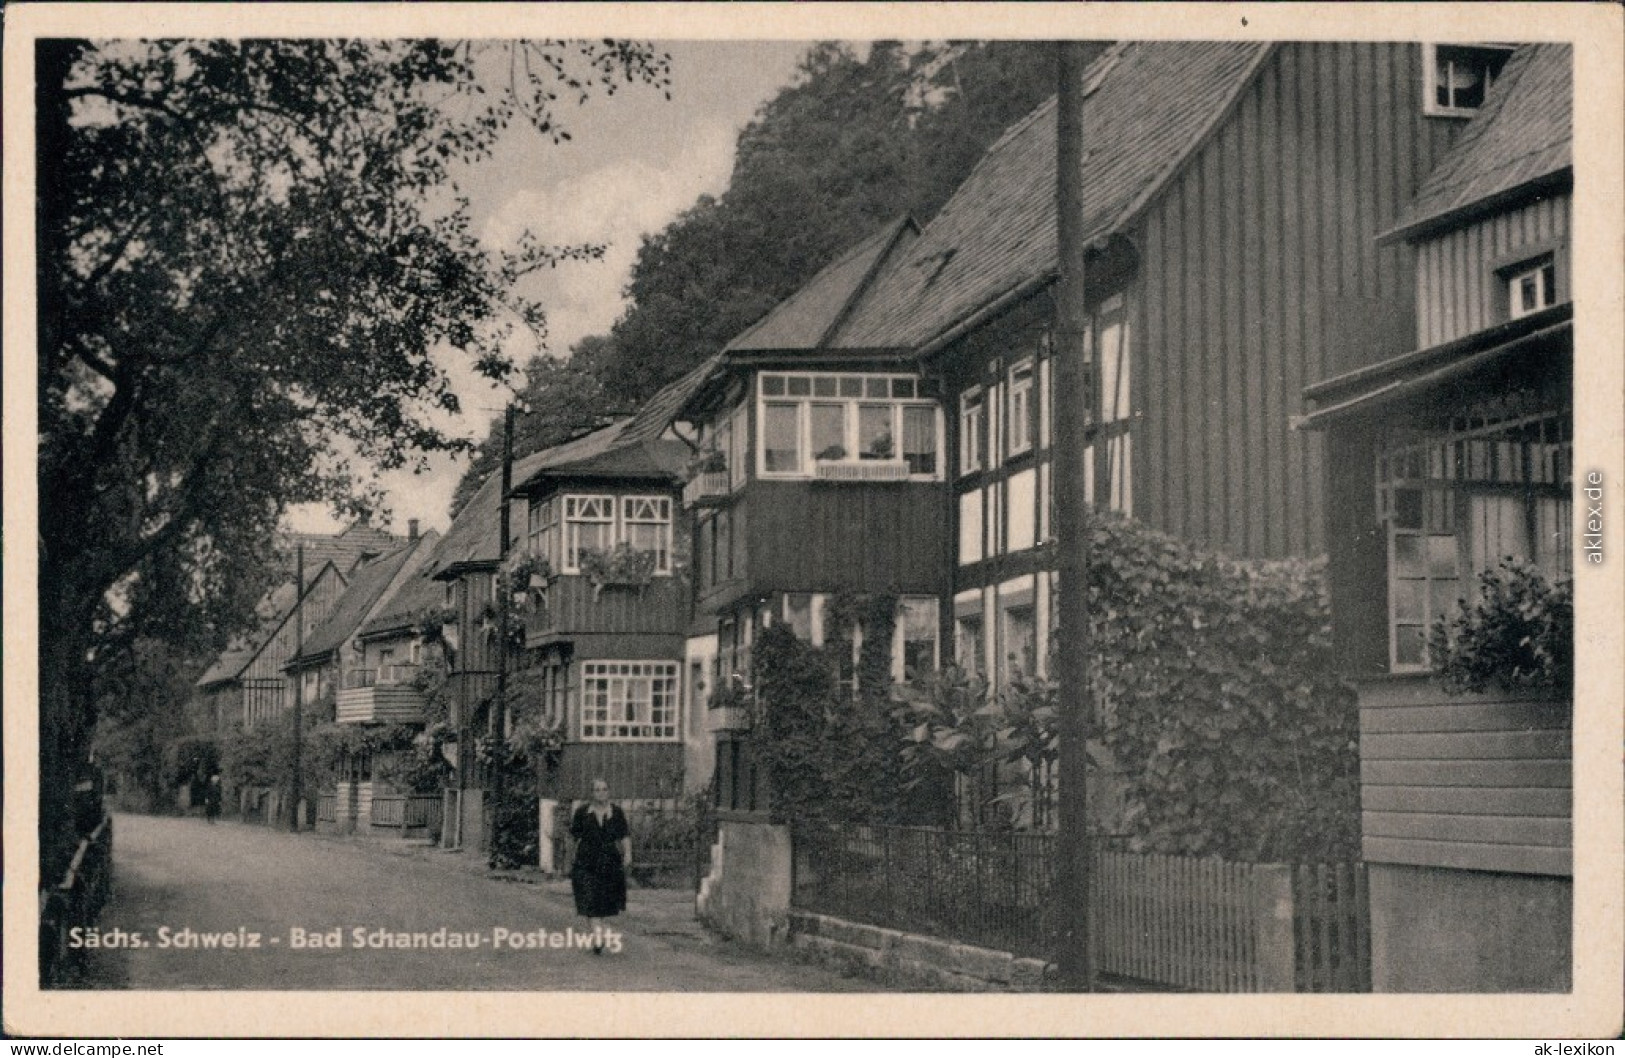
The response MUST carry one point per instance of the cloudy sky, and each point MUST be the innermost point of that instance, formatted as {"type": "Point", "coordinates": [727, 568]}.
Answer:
{"type": "Point", "coordinates": [635, 161]}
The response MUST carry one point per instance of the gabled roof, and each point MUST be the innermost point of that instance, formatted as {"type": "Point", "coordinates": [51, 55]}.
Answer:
{"type": "Point", "coordinates": [359, 543]}
{"type": "Point", "coordinates": [1523, 136]}
{"type": "Point", "coordinates": [1147, 107]}
{"type": "Point", "coordinates": [657, 414]}
{"type": "Point", "coordinates": [368, 584]}
{"type": "Point", "coordinates": [809, 318]}
{"type": "Point", "coordinates": [420, 591]}
{"type": "Point", "coordinates": [475, 535]}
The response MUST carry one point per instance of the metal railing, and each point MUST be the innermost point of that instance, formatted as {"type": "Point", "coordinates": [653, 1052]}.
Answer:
{"type": "Point", "coordinates": [988, 888]}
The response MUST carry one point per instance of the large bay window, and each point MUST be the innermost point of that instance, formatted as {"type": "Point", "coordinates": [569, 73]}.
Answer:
{"type": "Point", "coordinates": [852, 427]}
{"type": "Point", "coordinates": [629, 701]}
{"type": "Point", "coordinates": [1491, 485]}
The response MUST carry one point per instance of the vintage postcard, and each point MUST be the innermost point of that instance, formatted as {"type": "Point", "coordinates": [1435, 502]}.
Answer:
{"type": "Point", "coordinates": [819, 520]}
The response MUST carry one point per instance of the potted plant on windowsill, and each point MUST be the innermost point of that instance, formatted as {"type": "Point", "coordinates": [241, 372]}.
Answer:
{"type": "Point", "coordinates": [529, 571]}
{"type": "Point", "coordinates": [621, 566]}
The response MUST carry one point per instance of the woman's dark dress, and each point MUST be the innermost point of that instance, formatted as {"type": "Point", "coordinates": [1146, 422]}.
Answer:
{"type": "Point", "coordinates": [598, 877]}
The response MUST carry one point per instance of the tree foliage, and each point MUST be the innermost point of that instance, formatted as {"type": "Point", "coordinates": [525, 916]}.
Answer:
{"type": "Point", "coordinates": [852, 144]}
{"type": "Point", "coordinates": [252, 264]}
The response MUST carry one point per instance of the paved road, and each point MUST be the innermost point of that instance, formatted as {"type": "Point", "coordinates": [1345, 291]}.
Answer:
{"type": "Point", "coordinates": [239, 880]}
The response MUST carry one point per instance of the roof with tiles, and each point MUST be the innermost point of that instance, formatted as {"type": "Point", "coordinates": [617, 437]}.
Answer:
{"type": "Point", "coordinates": [345, 550]}
{"type": "Point", "coordinates": [272, 611]}
{"type": "Point", "coordinates": [367, 586]}
{"type": "Point", "coordinates": [1147, 107]}
{"type": "Point", "coordinates": [1524, 134]}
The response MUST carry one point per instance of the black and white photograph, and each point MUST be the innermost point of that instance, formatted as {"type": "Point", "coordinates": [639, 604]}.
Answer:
{"type": "Point", "coordinates": [757, 512]}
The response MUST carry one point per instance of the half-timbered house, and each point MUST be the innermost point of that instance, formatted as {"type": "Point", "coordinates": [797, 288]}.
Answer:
{"type": "Point", "coordinates": [1449, 454]}
{"type": "Point", "coordinates": [1232, 194]}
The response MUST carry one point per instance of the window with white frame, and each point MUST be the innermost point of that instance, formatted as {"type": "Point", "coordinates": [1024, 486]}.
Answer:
{"type": "Point", "coordinates": [542, 527]}
{"type": "Point", "coordinates": [1021, 523]}
{"type": "Point", "coordinates": [972, 432]}
{"type": "Point", "coordinates": [1491, 485]}
{"type": "Point", "coordinates": [630, 701]}
{"type": "Point", "coordinates": [646, 526]}
{"type": "Point", "coordinates": [1020, 418]}
{"type": "Point", "coordinates": [915, 652]}
{"type": "Point", "coordinates": [834, 426]}
{"type": "Point", "coordinates": [1531, 286]}
{"type": "Point", "coordinates": [1109, 338]}
{"type": "Point", "coordinates": [1459, 76]}
{"type": "Point", "coordinates": [599, 523]}
{"type": "Point", "coordinates": [589, 525]}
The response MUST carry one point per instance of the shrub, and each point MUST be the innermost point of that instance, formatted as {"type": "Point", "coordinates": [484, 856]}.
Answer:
{"type": "Point", "coordinates": [1518, 633]}
{"type": "Point", "coordinates": [1217, 701]}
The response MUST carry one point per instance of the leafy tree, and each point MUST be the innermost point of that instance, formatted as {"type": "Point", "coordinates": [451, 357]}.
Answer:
{"type": "Point", "coordinates": [850, 145]}
{"type": "Point", "coordinates": [252, 259]}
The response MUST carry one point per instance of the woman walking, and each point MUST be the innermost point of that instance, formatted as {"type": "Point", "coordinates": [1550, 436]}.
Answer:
{"type": "Point", "coordinates": [603, 856]}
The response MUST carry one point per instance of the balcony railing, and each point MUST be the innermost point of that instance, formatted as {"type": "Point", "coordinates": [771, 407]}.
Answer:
{"type": "Point", "coordinates": [706, 488]}
{"type": "Point", "coordinates": [384, 675]}
{"type": "Point", "coordinates": [863, 471]}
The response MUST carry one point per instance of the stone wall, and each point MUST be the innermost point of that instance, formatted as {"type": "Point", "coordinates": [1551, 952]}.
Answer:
{"type": "Point", "coordinates": [912, 959]}
{"type": "Point", "coordinates": [746, 895]}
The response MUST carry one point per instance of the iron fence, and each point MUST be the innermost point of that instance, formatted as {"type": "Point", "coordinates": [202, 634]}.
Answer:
{"type": "Point", "coordinates": [988, 888]}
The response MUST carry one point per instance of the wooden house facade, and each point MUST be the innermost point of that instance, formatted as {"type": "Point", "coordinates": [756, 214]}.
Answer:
{"type": "Point", "coordinates": [1231, 213]}
{"type": "Point", "coordinates": [607, 601]}
{"type": "Point", "coordinates": [820, 476]}
{"type": "Point", "coordinates": [1449, 457]}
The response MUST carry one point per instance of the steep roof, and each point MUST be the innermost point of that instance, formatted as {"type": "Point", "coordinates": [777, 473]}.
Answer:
{"type": "Point", "coordinates": [417, 593]}
{"type": "Point", "coordinates": [657, 414]}
{"type": "Point", "coordinates": [275, 609]}
{"type": "Point", "coordinates": [358, 543]}
{"type": "Point", "coordinates": [1523, 135]}
{"type": "Point", "coordinates": [1147, 107]}
{"type": "Point", "coordinates": [367, 586]}
{"type": "Point", "coordinates": [808, 318]}
{"type": "Point", "coordinates": [475, 535]}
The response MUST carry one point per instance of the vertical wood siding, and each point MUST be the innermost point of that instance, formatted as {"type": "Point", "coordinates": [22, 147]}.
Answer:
{"type": "Point", "coordinates": [1481, 782]}
{"type": "Point", "coordinates": [1457, 290]}
{"type": "Point", "coordinates": [634, 770]}
{"type": "Point", "coordinates": [574, 607]}
{"type": "Point", "coordinates": [1246, 258]}
{"type": "Point", "coordinates": [805, 536]}
{"type": "Point", "coordinates": [318, 603]}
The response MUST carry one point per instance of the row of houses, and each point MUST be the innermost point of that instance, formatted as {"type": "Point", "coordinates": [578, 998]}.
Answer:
{"type": "Point", "coordinates": [1329, 305]}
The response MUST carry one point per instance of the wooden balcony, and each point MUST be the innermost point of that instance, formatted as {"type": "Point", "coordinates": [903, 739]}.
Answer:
{"type": "Point", "coordinates": [572, 606]}
{"type": "Point", "coordinates": [382, 695]}
{"type": "Point", "coordinates": [707, 489]}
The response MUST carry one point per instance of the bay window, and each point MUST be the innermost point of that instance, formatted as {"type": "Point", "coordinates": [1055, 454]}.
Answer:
{"type": "Point", "coordinates": [542, 529]}
{"type": "Point", "coordinates": [600, 523]}
{"type": "Point", "coordinates": [849, 427]}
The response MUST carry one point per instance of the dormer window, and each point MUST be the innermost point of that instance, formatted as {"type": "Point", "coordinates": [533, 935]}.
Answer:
{"type": "Point", "coordinates": [1460, 76]}
{"type": "Point", "coordinates": [1531, 287]}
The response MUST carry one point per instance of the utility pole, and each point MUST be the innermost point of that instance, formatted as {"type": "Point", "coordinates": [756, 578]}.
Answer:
{"type": "Point", "coordinates": [499, 722]}
{"type": "Point", "coordinates": [298, 687]}
{"type": "Point", "coordinates": [1076, 402]}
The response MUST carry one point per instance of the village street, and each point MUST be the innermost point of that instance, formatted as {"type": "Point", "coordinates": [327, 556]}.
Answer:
{"type": "Point", "coordinates": [241, 880]}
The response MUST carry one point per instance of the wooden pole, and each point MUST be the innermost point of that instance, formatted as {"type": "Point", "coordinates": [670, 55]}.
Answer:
{"type": "Point", "coordinates": [297, 779]}
{"type": "Point", "coordinates": [1074, 418]}
{"type": "Point", "coordinates": [499, 722]}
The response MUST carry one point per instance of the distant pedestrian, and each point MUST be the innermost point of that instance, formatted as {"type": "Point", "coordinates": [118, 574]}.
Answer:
{"type": "Point", "coordinates": [603, 856]}
{"type": "Point", "coordinates": [211, 798]}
